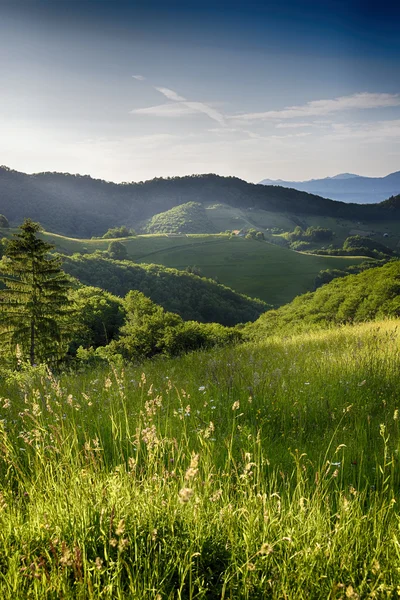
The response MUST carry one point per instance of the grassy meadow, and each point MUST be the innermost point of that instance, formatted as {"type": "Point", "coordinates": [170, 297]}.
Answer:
{"type": "Point", "coordinates": [257, 269]}
{"type": "Point", "coordinates": [266, 470]}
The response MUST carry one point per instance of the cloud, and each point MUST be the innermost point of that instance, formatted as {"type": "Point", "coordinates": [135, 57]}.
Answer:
{"type": "Point", "coordinates": [139, 77]}
{"type": "Point", "coordinates": [315, 108]}
{"type": "Point", "coordinates": [170, 94]}
{"type": "Point", "coordinates": [181, 106]}
{"type": "Point", "coordinates": [379, 131]}
{"type": "Point", "coordinates": [165, 110]}
{"type": "Point", "coordinates": [293, 125]}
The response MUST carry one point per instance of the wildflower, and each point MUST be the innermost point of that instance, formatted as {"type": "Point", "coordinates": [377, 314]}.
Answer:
{"type": "Point", "coordinates": [132, 464]}
{"type": "Point", "coordinates": [266, 549]}
{"type": "Point", "coordinates": [202, 388]}
{"type": "Point", "coordinates": [185, 494]}
{"type": "Point", "coordinates": [236, 405]}
{"type": "Point", "coordinates": [216, 496]}
{"type": "Point", "coordinates": [251, 567]}
{"type": "Point", "coordinates": [36, 410]}
{"type": "Point", "coordinates": [350, 593]}
{"type": "Point", "coordinates": [113, 542]}
{"type": "Point", "coordinates": [121, 527]}
{"type": "Point", "coordinates": [375, 566]}
{"type": "Point", "coordinates": [395, 415]}
{"type": "Point", "coordinates": [99, 563]}
{"type": "Point", "coordinates": [335, 473]}
{"type": "Point", "coordinates": [209, 430]}
{"type": "Point", "coordinates": [6, 403]}
{"type": "Point", "coordinates": [193, 469]}
{"type": "Point", "coordinates": [123, 544]}
{"type": "Point", "coordinates": [107, 383]}
{"type": "Point", "coordinates": [66, 557]}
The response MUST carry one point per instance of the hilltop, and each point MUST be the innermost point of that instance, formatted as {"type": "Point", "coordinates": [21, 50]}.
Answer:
{"type": "Point", "coordinates": [81, 206]}
{"type": "Point", "coordinates": [185, 218]}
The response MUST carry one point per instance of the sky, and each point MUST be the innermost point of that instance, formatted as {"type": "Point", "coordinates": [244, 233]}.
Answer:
{"type": "Point", "coordinates": [131, 90]}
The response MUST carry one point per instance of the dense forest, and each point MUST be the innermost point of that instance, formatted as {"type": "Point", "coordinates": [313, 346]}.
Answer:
{"type": "Point", "coordinates": [81, 206]}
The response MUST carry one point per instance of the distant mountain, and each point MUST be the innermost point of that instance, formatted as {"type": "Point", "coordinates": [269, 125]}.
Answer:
{"type": "Point", "coordinates": [347, 187]}
{"type": "Point", "coordinates": [344, 176]}
{"type": "Point", "coordinates": [80, 206]}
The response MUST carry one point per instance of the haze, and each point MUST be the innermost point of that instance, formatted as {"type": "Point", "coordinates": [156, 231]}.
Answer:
{"type": "Point", "coordinates": [130, 91]}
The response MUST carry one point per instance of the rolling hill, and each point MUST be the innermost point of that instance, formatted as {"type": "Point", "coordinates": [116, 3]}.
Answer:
{"type": "Point", "coordinates": [257, 269]}
{"type": "Point", "coordinates": [81, 206]}
{"type": "Point", "coordinates": [185, 218]}
{"type": "Point", "coordinates": [374, 293]}
{"type": "Point", "coordinates": [347, 187]}
{"type": "Point", "coordinates": [192, 297]}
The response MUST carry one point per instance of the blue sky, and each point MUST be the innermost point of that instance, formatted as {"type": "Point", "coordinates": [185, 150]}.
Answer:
{"type": "Point", "coordinates": [127, 91]}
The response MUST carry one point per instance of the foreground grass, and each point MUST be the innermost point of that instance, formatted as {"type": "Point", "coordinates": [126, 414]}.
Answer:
{"type": "Point", "coordinates": [264, 471]}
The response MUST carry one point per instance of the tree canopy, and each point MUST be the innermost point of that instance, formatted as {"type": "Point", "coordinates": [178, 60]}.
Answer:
{"type": "Point", "coordinates": [34, 303]}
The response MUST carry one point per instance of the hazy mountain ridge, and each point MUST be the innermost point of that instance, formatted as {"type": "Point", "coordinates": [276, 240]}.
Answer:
{"type": "Point", "coordinates": [347, 187]}
{"type": "Point", "coordinates": [81, 206]}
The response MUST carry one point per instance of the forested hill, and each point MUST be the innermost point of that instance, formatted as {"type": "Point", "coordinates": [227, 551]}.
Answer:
{"type": "Point", "coordinates": [193, 298]}
{"type": "Point", "coordinates": [81, 206]}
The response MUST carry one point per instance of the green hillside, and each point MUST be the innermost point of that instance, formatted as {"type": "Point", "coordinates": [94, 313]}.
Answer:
{"type": "Point", "coordinates": [81, 206]}
{"type": "Point", "coordinates": [374, 293]}
{"type": "Point", "coordinates": [193, 298]}
{"type": "Point", "coordinates": [257, 269]}
{"type": "Point", "coordinates": [186, 218]}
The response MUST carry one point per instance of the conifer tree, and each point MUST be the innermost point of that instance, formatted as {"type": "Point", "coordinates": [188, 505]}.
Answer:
{"type": "Point", "coordinates": [34, 304]}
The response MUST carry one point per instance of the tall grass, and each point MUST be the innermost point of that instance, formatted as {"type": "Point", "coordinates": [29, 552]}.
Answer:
{"type": "Point", "coordinates": [263, 471]}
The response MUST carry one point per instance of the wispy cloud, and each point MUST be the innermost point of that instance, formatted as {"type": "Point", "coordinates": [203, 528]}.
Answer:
{"type": "Point", "coordinates": [177, 109]}
{"type": "Point", "coordinates": [139, 77]}
{"type": "Point", "coordinates": [180, 106]}
{"type": "Point", "coordinates": [316, 108]}
{"type": "Point", "coordinates": [379, 131]}
{"type": "Point", "coordinates": [293, 125]}
{"type": "Point", "coordinates": [170, 94]}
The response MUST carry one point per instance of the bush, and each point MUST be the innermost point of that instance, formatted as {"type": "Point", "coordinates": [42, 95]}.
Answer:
{"type": "Point", "coordinates": [117, 251]}
{"type": "Point", "coordinates": [150, 330]}
{"type": "Point", "coordinates": [300, 246]}
{"type": "Point", "coordinates": [98, 317]}
{"type": "Point", "coordinates": [119, 232]}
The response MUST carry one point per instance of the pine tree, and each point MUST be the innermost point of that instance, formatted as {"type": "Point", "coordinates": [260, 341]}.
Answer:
{"type": "Point", "coordinates": [35, 305]}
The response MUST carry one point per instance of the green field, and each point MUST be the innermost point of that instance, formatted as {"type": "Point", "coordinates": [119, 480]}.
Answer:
{"type": "Point", "coordinates": [269, 470]}
{"type": "Point", "coordinates": [257, 269]}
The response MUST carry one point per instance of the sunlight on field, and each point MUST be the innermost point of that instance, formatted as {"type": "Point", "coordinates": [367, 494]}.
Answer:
{"type": "Point", "coordinates": [266, 470]}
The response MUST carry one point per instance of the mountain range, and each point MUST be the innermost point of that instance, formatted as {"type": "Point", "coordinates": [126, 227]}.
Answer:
{"type": "Point", "coordinates": [80, 206]}
{"type": "Point", "coordinates": [346, 187]}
